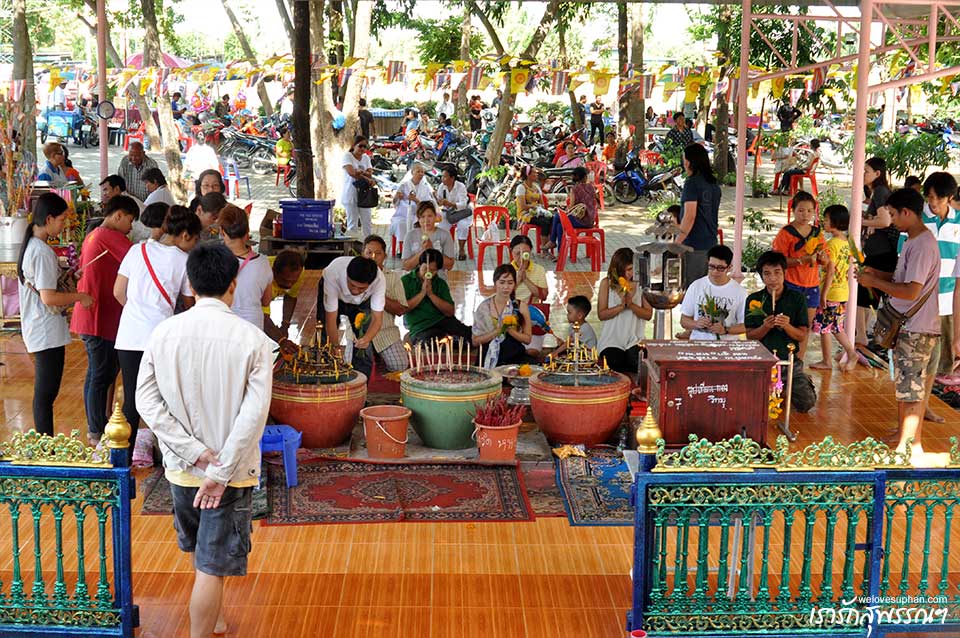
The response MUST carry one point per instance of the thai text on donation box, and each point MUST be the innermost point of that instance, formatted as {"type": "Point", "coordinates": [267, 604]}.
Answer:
{"type": "Point", "coordinates": [714, 389]}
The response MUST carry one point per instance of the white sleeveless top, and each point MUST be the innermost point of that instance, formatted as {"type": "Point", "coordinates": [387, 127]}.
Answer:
{"type": "Point", "coordinates": [624, 330]}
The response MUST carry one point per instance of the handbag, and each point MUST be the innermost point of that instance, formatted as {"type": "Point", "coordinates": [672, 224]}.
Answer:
{"type": "Point", "coordinates": [890, 321]}
{"type": "Point", "coordinates": [367, 194]}
{"type": "Point", "coordinates": [577, 211]}
{"type": "Point", "coordinates": [454, 215]}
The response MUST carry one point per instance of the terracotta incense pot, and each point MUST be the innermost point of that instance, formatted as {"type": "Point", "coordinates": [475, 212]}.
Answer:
{"type": "Point", "coordinates": [326, 413]}
{"type": "Point", "coordinates": [585, 409]}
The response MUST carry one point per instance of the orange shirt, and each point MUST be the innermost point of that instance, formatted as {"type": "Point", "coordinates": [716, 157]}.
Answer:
{"type": "Point", "coordinates": [609, 152]}
{"type": "Point", "coordinates": [791, 244]}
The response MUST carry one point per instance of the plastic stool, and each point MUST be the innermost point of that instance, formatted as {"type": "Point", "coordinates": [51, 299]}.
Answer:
{"type": "Point", "coordinates": [283, 438]}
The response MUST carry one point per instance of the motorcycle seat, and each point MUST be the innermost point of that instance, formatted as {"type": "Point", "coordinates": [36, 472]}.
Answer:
{"type": "Point", "coordinates": [557, 172]}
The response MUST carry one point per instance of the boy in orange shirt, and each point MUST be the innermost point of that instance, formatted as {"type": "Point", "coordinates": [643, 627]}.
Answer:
{"type": "Point", "coordinates": [802, 243]}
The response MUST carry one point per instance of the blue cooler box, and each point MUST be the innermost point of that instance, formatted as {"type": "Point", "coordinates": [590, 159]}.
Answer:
{"type": "Point", "coordinates": [307, 218]}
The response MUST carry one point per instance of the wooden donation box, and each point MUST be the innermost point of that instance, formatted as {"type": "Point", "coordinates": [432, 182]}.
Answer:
{"type": "Point", "coordinates": [714, 389]}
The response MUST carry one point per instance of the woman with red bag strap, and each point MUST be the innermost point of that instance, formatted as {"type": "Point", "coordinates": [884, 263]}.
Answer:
{"type": "Point", "coordinates": [255, 279]}
{"type": "Point", "coordinates": [151, 278]}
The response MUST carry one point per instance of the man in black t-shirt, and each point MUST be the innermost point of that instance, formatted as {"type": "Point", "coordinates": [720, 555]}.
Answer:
{"type": "Point", "coordinates": [787, 114]}
{"type": "Point", "coordinates": [367, 126]}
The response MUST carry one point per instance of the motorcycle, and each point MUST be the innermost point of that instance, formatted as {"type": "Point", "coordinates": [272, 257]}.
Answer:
{"type": "Point", "coordinates": [631, 182]}
{"type": "Point", "coordinates": [88, 133]}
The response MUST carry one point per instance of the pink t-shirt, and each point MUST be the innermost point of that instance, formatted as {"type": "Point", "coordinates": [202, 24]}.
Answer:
{"type": "Point", "coordinates": [920, 262]}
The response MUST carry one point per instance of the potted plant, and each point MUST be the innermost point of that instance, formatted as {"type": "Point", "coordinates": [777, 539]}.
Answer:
{"type": "Point", "coordinates": [497, 426]}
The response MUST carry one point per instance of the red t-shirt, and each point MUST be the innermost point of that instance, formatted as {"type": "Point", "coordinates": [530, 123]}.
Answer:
{"type": "Point", "coordinates": [103, 317]}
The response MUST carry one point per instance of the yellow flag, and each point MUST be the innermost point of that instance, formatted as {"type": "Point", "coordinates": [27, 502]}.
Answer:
{"type": "Point", "coordinates": [459, 65]}
{"type": "Point", "coordinates": [777, 88]}
{"type": "Point", "coordinates": [601, 83]}
{"type": "Point", "coordinates": [54, 78]}
{"type": "Point", "coordinates": [691, 87]}
{"type": "Point", "coordinates": [519, 79]}
{"type": "Point", "coordinates": [145, 81]}
{"type": "Point", "coordinates": [431, 71]}
{"type": "Point", "coordinates": [668, 89]}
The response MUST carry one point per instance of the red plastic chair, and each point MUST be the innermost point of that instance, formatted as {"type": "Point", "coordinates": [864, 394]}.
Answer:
{"type": "Point", "coordinates": [572, 240]}
{"type": "Point", "coordinates": [599, 170]}
{"type": "Point", "coordinates": [720, 235]}
{"type": "Point", "coordinates": [135, 134]}
{"type": "Point", "coordinates": [594, 231]}
{"type": "Point", "coordinates": [453, 236]}
{"type": "Point", "coordinates": [811, 174]}
{"type": "Point", "coordinates": [482, 217]}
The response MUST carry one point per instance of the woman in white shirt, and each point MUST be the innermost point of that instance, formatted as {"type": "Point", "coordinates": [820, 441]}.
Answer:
{"type": "Point", "coordinates": [452, 196]}
{"type": "Point", "coordinates": [255, 278]}
{"type": "Point", "coordinates": [44, 327]}
{"type": "Point", "coordinates": [622, 311]}
{"type": "Point", "coordinates": [411, 192]}
{"type": "Point", "coordinates": [356, 166]}
{"type": "Point", "coordinates": [151, 277]}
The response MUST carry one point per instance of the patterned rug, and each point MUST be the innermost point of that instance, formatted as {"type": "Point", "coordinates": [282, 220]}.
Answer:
{"type": "Point", "coordinates": [336, 491]}
{"type": "Point", "coordinates": [157, 500]}
{"type": "Point", "coordinates": [540, 480]}
{"type": "Point", "coordinates": [596, 488]}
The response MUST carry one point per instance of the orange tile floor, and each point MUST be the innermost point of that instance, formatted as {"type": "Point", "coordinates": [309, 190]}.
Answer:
{"type": "Point", "coordinates": [510, 580]}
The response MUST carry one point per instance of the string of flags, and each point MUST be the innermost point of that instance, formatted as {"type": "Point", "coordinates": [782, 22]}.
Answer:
{"type": "Point", "coordinates": [523, 75]}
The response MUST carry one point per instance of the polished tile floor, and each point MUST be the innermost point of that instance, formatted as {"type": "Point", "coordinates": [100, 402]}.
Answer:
{"type": "Point", "coordinates": [511, 580]}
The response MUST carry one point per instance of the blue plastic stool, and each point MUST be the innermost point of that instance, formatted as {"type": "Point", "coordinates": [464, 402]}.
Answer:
{"type": "Point", "coordinates": [283, 438]}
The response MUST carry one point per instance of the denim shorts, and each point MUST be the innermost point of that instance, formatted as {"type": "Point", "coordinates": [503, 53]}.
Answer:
{"type": "Point", "coordinates": [812, 294]}
{"type": "Point", "coordinates": [218, 538]}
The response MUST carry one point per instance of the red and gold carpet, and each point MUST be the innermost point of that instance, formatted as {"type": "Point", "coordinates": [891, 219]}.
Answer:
{"type": "Point", "coordinates": [337, 491]}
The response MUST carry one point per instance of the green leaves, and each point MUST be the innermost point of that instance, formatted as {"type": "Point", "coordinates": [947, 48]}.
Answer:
{"type": "Point", "coordinates": [905, 154]}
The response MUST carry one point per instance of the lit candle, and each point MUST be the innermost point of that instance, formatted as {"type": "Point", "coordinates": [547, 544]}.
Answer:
{"type": "Point", "coordinates": [459, 352]}
{"type": "Point", "coordinates": [409, 354]}
{"type": "Point", "coordinates": [480, 356]}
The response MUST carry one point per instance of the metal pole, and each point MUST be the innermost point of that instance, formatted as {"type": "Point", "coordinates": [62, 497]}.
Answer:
{"type": "Point", "coordinates": [103, 131]}
{"type": "Point", "coordinates": [743, 87]}
{"type": "Point", "coordinates": [859, 150]}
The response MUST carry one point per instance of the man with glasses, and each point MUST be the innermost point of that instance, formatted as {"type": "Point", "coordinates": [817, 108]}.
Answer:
{"type": "Point", "coordinates": [913, 291]}
{"type": "Point", "coordinates": [714, 305]}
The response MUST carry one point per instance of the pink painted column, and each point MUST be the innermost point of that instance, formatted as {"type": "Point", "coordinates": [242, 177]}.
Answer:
{"type": "Point", "coordinates": [102, 85]}
{"type": "Point", "coordinates": [742, 89]}
{"type": "Point", "coordinates": [859, 150]}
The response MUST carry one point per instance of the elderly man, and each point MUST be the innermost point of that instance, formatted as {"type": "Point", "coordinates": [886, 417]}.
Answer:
{"type": "Point", "coordinates": [132, 167]}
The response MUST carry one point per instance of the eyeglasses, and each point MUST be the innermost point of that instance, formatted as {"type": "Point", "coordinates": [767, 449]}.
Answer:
{"type": "Point", "coordinates": [717, 267]}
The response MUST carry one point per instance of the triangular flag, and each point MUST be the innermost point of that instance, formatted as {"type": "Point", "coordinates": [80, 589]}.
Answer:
{"type": "Point", "coordinates": [518, 79]}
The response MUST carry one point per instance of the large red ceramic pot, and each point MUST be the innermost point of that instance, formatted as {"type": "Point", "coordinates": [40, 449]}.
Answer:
{"type": "Point", "coordinates": [326, 413]}
{"type": "Point", "coordinates": [586, 409]}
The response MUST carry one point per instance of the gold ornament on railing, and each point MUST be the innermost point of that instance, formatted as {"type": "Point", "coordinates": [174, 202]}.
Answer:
{"type": "Point", "coordinates": [649, 436]}
{"type": "Point", "coordinates": [33, 448]}
{"type": "Point", "coordinates": [741, 454]}
{"type": "Point", "coordinates": [117, 432]}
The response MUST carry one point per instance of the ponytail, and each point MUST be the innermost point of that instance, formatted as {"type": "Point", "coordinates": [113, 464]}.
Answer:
{"type": "Point", "coordinates": [47, 205]}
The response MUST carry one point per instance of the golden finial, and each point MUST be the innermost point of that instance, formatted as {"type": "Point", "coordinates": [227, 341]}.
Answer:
{"type": "Point", "coordinates": [648, 434]}
{"type": "Point", "coordinates": [117, 430]}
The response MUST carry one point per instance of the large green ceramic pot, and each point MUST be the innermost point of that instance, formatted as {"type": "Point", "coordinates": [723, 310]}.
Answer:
{"type": "Point", "coordinates": [443, 406]}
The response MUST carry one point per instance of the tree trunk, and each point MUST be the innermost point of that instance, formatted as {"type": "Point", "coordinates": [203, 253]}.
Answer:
{"type": "Point", "coordinates": [636, 102]}
{"type": "Point", "coordinates": [505, 114]}
{"type": "Point", "coordinates": [350, 95]}
{"type": "Point", "coordinates": [285, 18]}
{"type": "Point", "coordinates": [23, 70]}
{"type": "Point", "coordinates": [720, 135]}
{"type": "Point", "coordinates": [303, 152]}
{"type": "Point", "coordinates": [466, 30]}
{"type": "Point", "coordinates": [133, 92]}
{"type": "Point", "coordinates": [250, 56]}
{"type": "Point", "coordinates": [623, 56]}
{"type": "Point", "coordinates": [575, 111]}
{"type": "Point", "coordinates": [152, 54]}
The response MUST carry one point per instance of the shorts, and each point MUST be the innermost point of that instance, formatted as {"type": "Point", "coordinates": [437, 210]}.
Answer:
{"type": "Point", "coordinates": [219, 538]}
{"type": "Point", "coordinates": [915, 359]}
{"type": "Point", "coordinates": [812, 294]}
{"type": "Point", "coordinates": [829, 319]}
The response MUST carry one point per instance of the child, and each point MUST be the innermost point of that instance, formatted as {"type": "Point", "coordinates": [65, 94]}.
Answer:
{"type": "Point", "coordinates": [578, 307]}
{"type": "Point", "coordinates": [675, 211]}
{"type": "Point", "coordinates": [802, 244]}
{"type": "Point", "coordinates": [151, 220]}
{"type": "Point", "coordinates": [610, 150]}
{"type": "Point", "coordinates": [834, 292]}
{"type": "Point", "coordinates": [208, 207]}
{"type": "Point", "coordinates": [775, 317]}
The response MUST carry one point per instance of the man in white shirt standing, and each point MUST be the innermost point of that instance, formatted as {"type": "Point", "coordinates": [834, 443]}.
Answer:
{"type": "Point", "coordinates": [204, 386]}
{"type": "Point", "coordinates": [714, 305]}
{"type": "Point", "coordinates": [351, 287]}
{"type": "Point", "coordinates": [446, 108]}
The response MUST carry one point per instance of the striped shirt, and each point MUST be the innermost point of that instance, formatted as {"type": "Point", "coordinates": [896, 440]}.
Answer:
{"type": "Point", "coordinates": [947, 232]}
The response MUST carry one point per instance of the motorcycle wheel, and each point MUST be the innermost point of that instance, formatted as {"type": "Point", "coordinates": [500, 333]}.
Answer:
{"type": "Point", "coordinates": [93, 138]}
{"type": "Point", "coordinates": [624, 192]}
{"type": "Point", "coordinates": [263, 162]}
{"type": "Point", "coordinates": [608, 194]}
{"type": "Point", "coordinates": [242, 161]}
{"type": "Point", "coordinates": [293, 186]}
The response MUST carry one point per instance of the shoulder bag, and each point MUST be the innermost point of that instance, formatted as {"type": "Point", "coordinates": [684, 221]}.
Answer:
{"type": "Point", "coordinates": [454, 215]}
{"type": "Point", "coordinates": [367, 194]}
{"type": "Point", "coordinates": [890, 321]}
{"type": "Point", "coordinates": [156, 280]}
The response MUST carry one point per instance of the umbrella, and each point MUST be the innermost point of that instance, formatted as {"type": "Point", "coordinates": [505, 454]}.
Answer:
{"type": "Point", "coordinates": [136, 61]}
